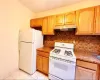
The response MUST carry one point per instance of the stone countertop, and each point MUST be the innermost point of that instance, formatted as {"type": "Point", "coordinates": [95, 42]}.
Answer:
{"type": "Point", "coordinates": [80, 55]}
{"type": "Point", "coordinates": [45, 49]}
{"type": "Point", "coordinates": [87, 56]}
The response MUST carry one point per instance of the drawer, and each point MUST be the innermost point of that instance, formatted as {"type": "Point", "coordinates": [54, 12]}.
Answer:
{"type": "Point", "coordinates": [87, 65]}
{"type": "Point", "coordinates": [44, 54]}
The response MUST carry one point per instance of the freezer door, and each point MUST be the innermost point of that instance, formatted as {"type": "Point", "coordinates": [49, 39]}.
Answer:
{"type": "Point", "coordinates": [38, 39]}
{"type": "Point", "coordinates": [27, 35]}
{"type": "Point", "coordinates": [27, 58]}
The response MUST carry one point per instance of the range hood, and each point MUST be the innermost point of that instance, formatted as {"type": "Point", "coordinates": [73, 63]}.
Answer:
{"type": "Point", "coordinates": [65, 27]}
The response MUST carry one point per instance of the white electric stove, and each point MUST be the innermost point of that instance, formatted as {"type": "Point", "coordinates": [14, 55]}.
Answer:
{"type": "Point", "coordinates": [62, 62]}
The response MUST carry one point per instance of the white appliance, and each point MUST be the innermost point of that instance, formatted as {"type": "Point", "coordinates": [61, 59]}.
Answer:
{"type": "Point", "coordinates": [30, 40]}
{"type": "Point", "coordinates": [62, 62]}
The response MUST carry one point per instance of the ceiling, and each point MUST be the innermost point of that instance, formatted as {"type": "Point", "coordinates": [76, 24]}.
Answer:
{"type": "Point", "coordinates": [43, 5]}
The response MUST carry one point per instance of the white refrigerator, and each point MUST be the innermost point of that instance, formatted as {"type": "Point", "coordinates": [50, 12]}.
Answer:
{"type": "Point", "coordinates": [29, 41]}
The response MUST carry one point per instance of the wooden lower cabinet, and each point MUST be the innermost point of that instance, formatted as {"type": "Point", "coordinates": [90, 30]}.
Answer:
{"type": "Point", "coordinates": [85, 74]}
{"type": "Point", "coordinates": [42, 62]}
{"type": "Point", "coordinates": [45, 65]}
{"type": "Point", "coordinates": [39, 62]}
{"type": "Point", "coordinates": [84, 70]}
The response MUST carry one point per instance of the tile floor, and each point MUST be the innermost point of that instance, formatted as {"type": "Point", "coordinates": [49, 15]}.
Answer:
{"type": "Point", "coordinates": [20, 75]}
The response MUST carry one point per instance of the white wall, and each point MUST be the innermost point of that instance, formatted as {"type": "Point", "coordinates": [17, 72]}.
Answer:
{"type": "Point", "coordinates": [13, 16]}
{"type": "Point", "coordinates": [80, 5]}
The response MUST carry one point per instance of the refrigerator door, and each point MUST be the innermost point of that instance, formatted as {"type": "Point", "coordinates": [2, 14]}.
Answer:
{"type": "Point", "coordinates": [27, 58]}
{"type": "Point", "coordinates": [27, 35]}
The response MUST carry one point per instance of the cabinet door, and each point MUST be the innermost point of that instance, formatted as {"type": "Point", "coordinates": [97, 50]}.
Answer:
{"type": "Point", "coordinates": [51, 25]}
{"type": "Point", "coordinates": [60, 20]}
{"type": "Point", "coordinates": [45, 25]}
{"type": "Point", "coordinates": [85, 21]}
{"type": "Point", "coordinates": [45, 65]}
{"type": "Point", "coordinates": [85, 74]}
{"type": "Point", "coordinates": [39, 22]}
{"type": "Point", "coordinates": [97, 27]}
{"type": "Point", "coordinates": [36, 22]}
{"type": "Point", "coordinates": [70, 18]}
{"type": "Point", "coordinates": [99, 78]}
{"type": "Point", "coordinates": [39, 63]}
{"type": "Point", "coordinates": [32, 23]}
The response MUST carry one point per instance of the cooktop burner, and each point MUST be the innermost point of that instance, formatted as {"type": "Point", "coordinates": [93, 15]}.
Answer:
{"type": "Point", "coordinates": [68, 53]}
{"type": "Point", "coordinates": [57, 51]}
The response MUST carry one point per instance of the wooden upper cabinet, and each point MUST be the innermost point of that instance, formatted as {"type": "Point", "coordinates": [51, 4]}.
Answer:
{"type": "Point", "coordinates": [51, 25]}
{"type": "Point", "coordinates": [97, 22]}
{"type": "Point", "coordinates": [70, 18]}
{"type": "Point", "coordinates": [45, 25]}
{"type": "Point", "coordinates": [65, 19]}
{"type": "Point", "coordinates": [60, 19]}
{"type": "Point", "coordinates": [48, 25]}
{"type": "Point", "coordinates": [85, 21]}
{"type": "Point", "coordinates": [36, 22]}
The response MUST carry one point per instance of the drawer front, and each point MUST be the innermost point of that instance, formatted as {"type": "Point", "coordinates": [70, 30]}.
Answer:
{"type": "Point", "coordinates": [87, 65]}
{"type": "Point", "coordinates": [44, 54]}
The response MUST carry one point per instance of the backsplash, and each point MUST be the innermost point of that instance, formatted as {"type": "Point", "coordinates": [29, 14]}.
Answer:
{"type": "Point", "coordinates": [87, 43]}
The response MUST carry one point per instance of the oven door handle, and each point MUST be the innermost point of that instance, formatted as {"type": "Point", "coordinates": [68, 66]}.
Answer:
{"type": "Point", "coordinates": [62, 62]}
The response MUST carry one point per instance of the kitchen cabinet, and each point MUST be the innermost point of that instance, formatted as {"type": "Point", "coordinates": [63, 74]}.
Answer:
{"type": "Point", "coordinates": [39, 62]}
{"type": "Point", "coordinates": [85, 74]}
{"type": "Point", "coordinates": [45, 25]}
{"type": "Point", "coordinates": [66, 19]}
{"type": "Point", "coordinates": [86, 71]}
{"type": "Point", "coordinates": [97, 22]}
{"type": "Point", "coordinates": [45, 65]}
{"type": "Point", "coordinates": [85, 21]}
{"type": "Point", "coordinates": [48, 25]}
{"type": "Point", "coordinates": [51, 24]}
{"type": "Point", "coordinates": [36, 22]}
{"type": "Point", "coordinates": [42, 62]}
{"type": "Point", "coordinates": [70, 18]}
{"type": "Point", "coordinates": [60, 19]}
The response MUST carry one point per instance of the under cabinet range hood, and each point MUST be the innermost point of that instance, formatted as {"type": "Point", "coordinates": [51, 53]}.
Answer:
{"type": "Point", "coordinates": [65, 27]}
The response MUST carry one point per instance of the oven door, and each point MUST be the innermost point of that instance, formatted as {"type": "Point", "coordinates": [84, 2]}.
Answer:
{"type": "Point", "coordinates": [61, 69]}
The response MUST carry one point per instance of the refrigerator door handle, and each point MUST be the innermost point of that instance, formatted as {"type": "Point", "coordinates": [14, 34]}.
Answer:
{"type": "Point", "coordinates": [27, 42]}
